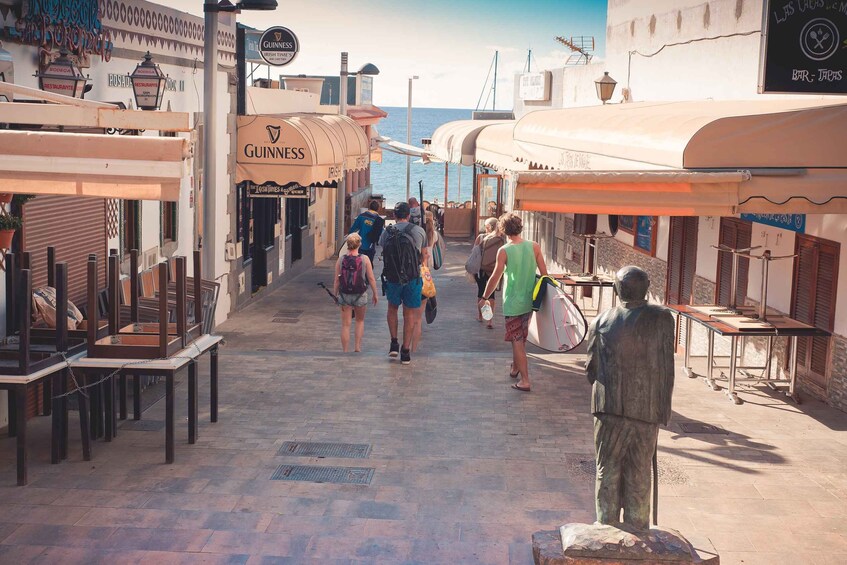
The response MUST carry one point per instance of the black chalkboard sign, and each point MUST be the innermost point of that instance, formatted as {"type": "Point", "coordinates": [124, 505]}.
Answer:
{"type": "Point", "coordinates": [805, 47]}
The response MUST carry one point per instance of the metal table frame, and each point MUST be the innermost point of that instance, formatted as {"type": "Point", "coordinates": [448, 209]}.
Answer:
{"type": "Point", "coordinates": [716, 327]}
{"type": "Point", "coordinates": [95, 369]}
{"type": "Point", "coordinates": [600, 284]}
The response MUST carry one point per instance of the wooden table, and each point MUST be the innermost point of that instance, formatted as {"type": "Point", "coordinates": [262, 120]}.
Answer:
{"type": "Point", "coordinates": [95, 369]}
{"type": "Point", "coordinates": [54, 378]}
{"type": "Point", "coordinates": [582, 281]}
{"type": "Point", "coordinates": [725, 324]}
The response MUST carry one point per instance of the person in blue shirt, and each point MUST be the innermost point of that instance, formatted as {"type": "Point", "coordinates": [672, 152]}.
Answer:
{"type": "Point", "coordinates": [369, 226]}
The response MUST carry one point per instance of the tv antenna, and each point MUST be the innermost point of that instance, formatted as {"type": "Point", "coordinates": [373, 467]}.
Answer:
{"type": "Point", "coordinates": [581, 47]}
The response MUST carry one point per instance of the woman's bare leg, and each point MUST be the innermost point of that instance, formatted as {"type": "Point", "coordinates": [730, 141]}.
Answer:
{"type": "Point", "coordinates": [346, 319]}
{"type": "Point", "coordinates": [360, 326]}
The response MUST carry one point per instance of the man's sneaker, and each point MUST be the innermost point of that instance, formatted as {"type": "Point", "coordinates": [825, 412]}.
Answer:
{"type": "Point", "coordinates": [394, 349]}
{"type": "Point", "coordinates": [405, 356]}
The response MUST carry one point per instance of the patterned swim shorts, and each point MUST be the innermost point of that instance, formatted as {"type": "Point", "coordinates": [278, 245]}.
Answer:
{"type": "Point", "coordinates": [517, 327]}
{"type": "Point", "coordinates": [354, 300]}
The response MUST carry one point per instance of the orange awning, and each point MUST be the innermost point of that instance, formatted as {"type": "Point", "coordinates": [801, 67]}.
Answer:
{"type": "Point", "coordinates": [96, 165]}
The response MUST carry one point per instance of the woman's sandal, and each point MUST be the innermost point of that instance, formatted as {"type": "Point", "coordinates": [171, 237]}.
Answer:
{"type": "Point", "coordinates": [514, 375]}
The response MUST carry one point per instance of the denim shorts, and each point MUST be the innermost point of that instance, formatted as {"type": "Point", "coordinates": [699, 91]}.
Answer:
{"type": "Point", "coordinates": [409, 294]}
{"type": "Point", "coordinates": [354, 300]}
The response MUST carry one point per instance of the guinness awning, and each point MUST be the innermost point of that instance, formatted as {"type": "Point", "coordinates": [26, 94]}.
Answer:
{"type": "Point", "coordinates": [305, 149]}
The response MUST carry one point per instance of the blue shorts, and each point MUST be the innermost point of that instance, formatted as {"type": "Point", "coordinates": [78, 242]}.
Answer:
{"type": "Point", "coordinates": [409, 294]}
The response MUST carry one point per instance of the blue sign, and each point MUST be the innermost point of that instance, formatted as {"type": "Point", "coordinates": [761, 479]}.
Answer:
{"type": "Point", "coordinates": [791, 222]}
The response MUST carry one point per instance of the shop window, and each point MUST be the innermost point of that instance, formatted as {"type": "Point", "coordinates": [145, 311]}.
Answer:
{"type": "Point", "coordinates": [813, 302]}
{"type": "Point", "coordinates": [643, 229]}
{"type": "Point", "coordinates": [735, 234]}
{"type": "Point", "coordinates": [131, 223]}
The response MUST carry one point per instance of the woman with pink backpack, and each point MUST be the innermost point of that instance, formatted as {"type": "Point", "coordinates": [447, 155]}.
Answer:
{"type": "Point", "coordinates": [354, 274]}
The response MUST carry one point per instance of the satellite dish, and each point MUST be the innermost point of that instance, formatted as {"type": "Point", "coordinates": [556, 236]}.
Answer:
{"type": "Point", "coordinates": [613, 224]}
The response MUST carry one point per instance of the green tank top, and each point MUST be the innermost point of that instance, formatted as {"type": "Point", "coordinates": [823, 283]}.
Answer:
{"type": "Point", "coordinates": [519, 278]}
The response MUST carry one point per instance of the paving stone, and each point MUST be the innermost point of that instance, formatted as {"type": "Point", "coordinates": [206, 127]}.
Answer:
{"type": "Point", "coordinates": [465, 469]}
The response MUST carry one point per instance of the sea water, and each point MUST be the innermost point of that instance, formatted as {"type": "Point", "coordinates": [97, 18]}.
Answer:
{"type": "Point", "coordinates": [389, 177]}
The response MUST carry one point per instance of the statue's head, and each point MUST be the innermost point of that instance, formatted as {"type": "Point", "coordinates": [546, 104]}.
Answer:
{"type": "Point", "coordinates": [631, 283]}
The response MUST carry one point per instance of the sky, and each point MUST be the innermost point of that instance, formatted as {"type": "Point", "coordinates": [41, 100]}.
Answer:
{"type": "Point", "coordinates": [449, 44]}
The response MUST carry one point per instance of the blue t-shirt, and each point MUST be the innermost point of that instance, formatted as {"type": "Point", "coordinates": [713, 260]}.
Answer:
{"type": "Point", "coordinates": [369, 227]}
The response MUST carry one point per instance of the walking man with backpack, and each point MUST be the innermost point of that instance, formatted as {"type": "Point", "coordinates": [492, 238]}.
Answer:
{"type": "Point", "coordinates": [353, 275]}
{"type": "Point", "coordinates": [403, 251]}
{"type": "Point", "coordinates": [369, 225]}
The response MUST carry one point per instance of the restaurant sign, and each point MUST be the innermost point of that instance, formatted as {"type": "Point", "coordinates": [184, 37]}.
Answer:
{"type": "Point", "coordinates": [273, 190]}
{"type": "Point", "coordinates": [791, 222]}
{"type": "Point", "coordinates": [278, 46]}
{"type": "Point", "coordinates": [71, 24]}
{"type": "Point", "coordinates": [804, 47]}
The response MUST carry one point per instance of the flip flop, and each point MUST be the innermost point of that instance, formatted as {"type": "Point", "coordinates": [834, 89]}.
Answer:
{"type": "Point", "coordinates": [520, 388]}
{"type": "Point", "coordinates": [514, 375]}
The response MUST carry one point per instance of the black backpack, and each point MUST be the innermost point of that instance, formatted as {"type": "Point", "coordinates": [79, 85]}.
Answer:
{"type": "Point", "coordinates": [401, 256]}
{"type": "Point", "coordinates": [352, 277]}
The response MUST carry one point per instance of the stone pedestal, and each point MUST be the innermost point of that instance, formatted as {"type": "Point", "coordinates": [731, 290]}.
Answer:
{"type": "Point", "coordinates": [596, 544]}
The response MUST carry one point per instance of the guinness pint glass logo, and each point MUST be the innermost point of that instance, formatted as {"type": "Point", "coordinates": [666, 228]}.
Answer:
{"type": "Point", "coordinates": [273, 133]}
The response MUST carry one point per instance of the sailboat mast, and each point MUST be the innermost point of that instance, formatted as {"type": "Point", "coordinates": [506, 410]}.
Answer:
{"type": "Point", "coordinates": [494, 102]}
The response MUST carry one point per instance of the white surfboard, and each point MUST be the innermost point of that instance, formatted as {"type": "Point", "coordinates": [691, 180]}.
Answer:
{"type": "Point", "coordinates": [559, 325]}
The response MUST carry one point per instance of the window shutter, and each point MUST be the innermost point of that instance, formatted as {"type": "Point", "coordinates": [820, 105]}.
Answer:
{"type": "Point", "coordinates": [689, 258]}
{"type": "Point", "coordinates": [736, 234]}
{"type": "Point", "coordinates": [674, 260]}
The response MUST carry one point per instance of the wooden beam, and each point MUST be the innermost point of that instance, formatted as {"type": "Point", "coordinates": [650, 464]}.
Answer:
{"type": "Point", "coordinates": [93, 117]}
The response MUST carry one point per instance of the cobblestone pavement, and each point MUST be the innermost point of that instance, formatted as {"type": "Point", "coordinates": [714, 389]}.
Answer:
{"type": "Point", "coordinates": [464, 468]}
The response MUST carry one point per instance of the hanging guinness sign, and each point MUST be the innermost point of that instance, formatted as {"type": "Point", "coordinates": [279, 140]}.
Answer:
{"type": "Point", "coordinates": [273, 190]}
{"type": "Point", "coordinates": [278, 46]}
{"type": "Point", "coordinates": [804, 47]}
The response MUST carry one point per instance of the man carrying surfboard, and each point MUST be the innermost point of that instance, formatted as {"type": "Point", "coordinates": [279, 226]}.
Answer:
{"type": "Point", "coordinates": [519, 260]}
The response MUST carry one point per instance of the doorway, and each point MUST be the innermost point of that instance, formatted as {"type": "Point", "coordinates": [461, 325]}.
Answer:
{"type": "Point", "coordinates": [489, 199]}
{"type": "Point", "coordinates": [682, 259]}
{"type": "Point", "coordinates": [735, 234]}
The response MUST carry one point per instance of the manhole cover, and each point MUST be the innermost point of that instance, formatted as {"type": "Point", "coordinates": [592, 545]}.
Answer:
{"type": "Point", "coordinates": [285, 320]}
{"type": "Point", "coordinates": [289, 313]}
{"type": "Point", "coordinates": [312, 474]}
{"type": "Point", "coordinates": [143, 425]}
{"type": "Point", "coordinates": [700, 428]}
{"type": "Point", "coordinates": [670, 472]}
{"type": "Point", "coordinates": [321, 449]}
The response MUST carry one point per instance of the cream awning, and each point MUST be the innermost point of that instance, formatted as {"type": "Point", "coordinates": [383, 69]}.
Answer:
{"type": "Point", "coordinates": [649, 158]}
{"type": "Point", "coordinates": [302, 149]}
{"type": "Point", "coordinates": [356, 142]}
{"type": "Point", "coordinates": [762, 133]}
{"type": "Point", "coordinates": [495, 147]}
{"type": "Point", "coordinates": [104, 166]}
{"type": "Point", "coordinates": [455, 142]}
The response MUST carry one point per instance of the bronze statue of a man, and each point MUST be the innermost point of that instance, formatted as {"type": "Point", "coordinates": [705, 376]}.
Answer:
{"type": "Point", "coordinates": [630, 366]}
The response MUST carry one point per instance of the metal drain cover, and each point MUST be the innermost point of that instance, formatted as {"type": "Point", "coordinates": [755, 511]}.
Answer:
{"type": "Point", "coordinates": [313, 474]}
{"type": "Point", "coordinates": [670, 473]}
{"type": "Point", "coordinates": [143, 425]}
{"type": "Point", "coordinates": [289, 313]}
{"type": "Point", "coordinates": [701, 428]}
{"type": "Point", "coordinates": [285, 320]}
{"type": "Point", "coordinates": [321, 449]}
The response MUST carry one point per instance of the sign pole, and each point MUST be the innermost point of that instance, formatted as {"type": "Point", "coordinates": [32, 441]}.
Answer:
{"type": "Point", "coordinates": [341, 191]}
{"type": "Point", "coordinates": [210, 64]}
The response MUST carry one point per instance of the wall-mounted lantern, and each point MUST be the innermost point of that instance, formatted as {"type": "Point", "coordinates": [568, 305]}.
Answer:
{"type": "Point", "coordinates": [62, 76]}
{"type": "Point", "coordinates": [605, 87]}
{"type": "Point", "coordinates": [148, 84]}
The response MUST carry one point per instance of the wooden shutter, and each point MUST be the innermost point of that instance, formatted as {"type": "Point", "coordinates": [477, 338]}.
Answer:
{"type": "Point", "coordinates": [76, 227]}
{"type": "Point", "coordinates": [675, 247]}
{"type": "Point", "coordinates": [682, 260]}
{"type": "Point", "coordinates": [813, 302]}
{"type": "Point", "coordinates": [737, 234]}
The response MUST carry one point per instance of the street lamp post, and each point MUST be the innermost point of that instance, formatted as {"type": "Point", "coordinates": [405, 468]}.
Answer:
{"type": "Point", "coordinates": [409, 138]}
{"type": "Point", "coordinates": [341, 203]}
{"type": "Point", "coordinates": [211, 9]}
{"type": "Point", "coordinates": [605, 87]}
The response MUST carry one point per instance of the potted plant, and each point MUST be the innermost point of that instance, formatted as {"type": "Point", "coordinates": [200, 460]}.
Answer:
{"type": "Point", "coordinates": [5, 197]}
{"type": "Point", "coordinates": [21, 199]}
{"type": "Point", "coordinates": [9, 224]}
